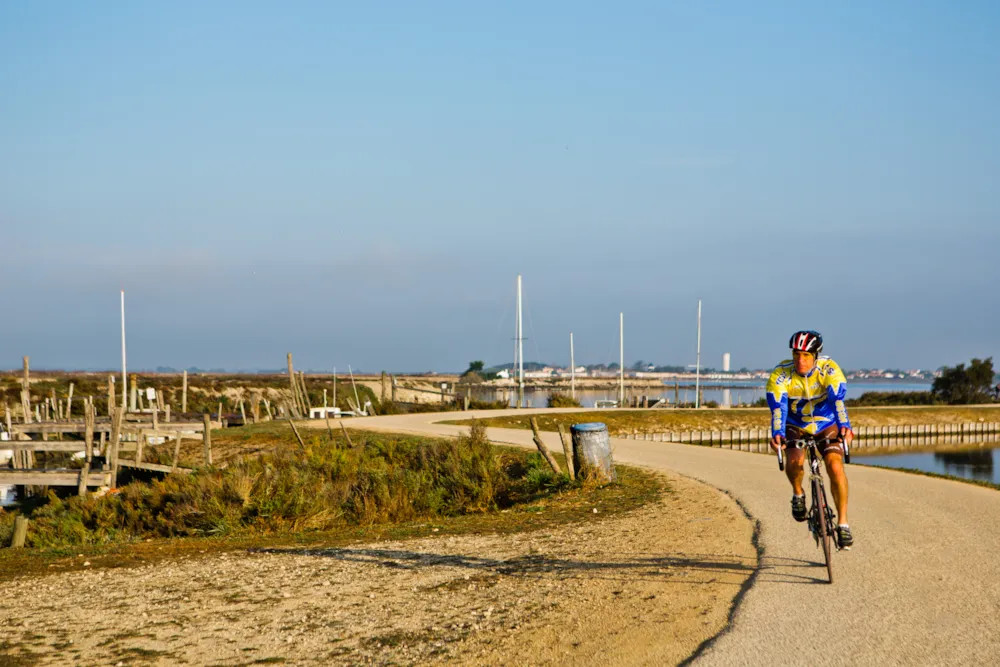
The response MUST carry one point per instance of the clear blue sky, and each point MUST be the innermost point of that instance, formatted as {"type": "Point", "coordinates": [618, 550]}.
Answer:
{"type": "Point", "coordinates": [359, 183]}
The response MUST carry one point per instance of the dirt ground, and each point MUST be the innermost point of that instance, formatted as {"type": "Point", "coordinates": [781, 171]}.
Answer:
{"type": "Point", "coordinates": [644, 588]}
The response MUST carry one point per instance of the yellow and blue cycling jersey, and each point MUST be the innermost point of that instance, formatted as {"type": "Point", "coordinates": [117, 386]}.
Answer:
{"type": "Point", "coordinates": [810, 402]}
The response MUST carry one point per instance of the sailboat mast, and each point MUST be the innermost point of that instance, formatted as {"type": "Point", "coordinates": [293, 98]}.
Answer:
{"type": "Point", "coordinates": [520, 348]}
{"type": "Point", "coordinates": [124, 376]}
{"type": "Point", "coordinates": [572, 368]}
{"type": "Point", "coordinates": [697, 364]}
{"type": "Point", "coordinates": [621, 359]}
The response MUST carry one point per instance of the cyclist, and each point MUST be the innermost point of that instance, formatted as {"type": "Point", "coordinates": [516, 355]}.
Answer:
{"type": "Point", "coordinates": [806, 398]}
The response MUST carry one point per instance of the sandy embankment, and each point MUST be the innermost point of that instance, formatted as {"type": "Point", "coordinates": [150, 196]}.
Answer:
{"type": "Point", "coordinates": [645, 588]}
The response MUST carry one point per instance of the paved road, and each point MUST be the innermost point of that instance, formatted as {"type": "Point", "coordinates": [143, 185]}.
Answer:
{"type": "Point", "coordinates": [920, 587]}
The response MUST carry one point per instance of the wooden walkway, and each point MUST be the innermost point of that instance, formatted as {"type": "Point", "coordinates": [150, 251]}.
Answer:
{"type": "Point", "coordinates": [119, 430]}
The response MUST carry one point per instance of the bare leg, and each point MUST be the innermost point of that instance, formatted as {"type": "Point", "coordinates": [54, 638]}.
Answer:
{"type": "Point", "coordinates": [795, 469]}
{"type": "Point", "coordinates": [838, 483]}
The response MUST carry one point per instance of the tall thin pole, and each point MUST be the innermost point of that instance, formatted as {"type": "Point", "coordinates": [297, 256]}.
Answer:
{"type": "Point", "coordinates": [621, 359]}
{"type": "Point", "coordinates": [520, 348]}
{"type": "Point", "coordinates": [334, 386]}
{"type": "Point", "coordinates": [697, 364]}
{"type": "Point", "coordinates": [572, 368]}
{"type": "Point", "coordinates": [353, 384]}
{"type": "Point", "coordinates": [517, 323]}
{"type": "Point", "coordinates": [124, 376]}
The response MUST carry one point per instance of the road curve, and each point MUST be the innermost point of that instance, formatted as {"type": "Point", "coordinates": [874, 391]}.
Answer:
{"type": "Point", "coordinates": [920, 587]}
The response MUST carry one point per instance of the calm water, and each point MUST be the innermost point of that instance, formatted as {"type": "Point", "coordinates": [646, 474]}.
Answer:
{"type": "Point", "coordinates": [979, 464]}
{"type": "Point", "coordinates": [744, 392]}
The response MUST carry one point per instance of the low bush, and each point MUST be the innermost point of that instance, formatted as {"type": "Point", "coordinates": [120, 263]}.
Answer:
{"type": "Point", "coordinates": [560, 400]}
{"type": "Point", "coordinates": [385, 478]}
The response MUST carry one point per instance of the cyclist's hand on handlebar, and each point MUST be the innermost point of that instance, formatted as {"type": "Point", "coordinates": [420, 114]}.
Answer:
{"type": "Point", "coordinates": [847, 436]}
{"type": "Point", "coordinates": [778, 443]}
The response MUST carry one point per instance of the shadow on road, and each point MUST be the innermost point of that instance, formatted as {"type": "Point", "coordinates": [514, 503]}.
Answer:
{"type": "Point", "coordinates": [662, 566]}
{"type": "Point", "coordinates": [776, 570]}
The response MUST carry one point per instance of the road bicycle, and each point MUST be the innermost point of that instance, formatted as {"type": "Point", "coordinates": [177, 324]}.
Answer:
{"type": "Point", "coordinates": [820, 520]}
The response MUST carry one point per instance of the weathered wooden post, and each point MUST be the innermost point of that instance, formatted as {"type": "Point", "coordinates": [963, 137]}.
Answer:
{"type": "Point", "coordinates": [140, 443]}
{"type": "Point", "coordinates": [134, 395]}
{"type": "Point", "coordinates": [393, 388]}
{"type": "Point", "coordinates": [88, 456]}
{"type": "Point", "coordinates": [243, 413]}
{"type": "Point", "coordinates": [26, 392]}
{"type": "Point", "coordinates": [166, 413]}
{"type": "Point", "coordinates": [177, 452]}
{"type": "Point", "coordinates": [296, 432]}
{"type": "Point", "coordinates": [20, 532]}
{"type": "Point", "coordinates": [69, 402]}
{"type": "Point", "coordinates": [567, 446]}
{"type": "Point", "coordinates": [592, 451]}
{"type": "Point", "coordinates": [306, 403]}
{"type": "Point", "coordinates": [541, 446]}
{"type": "Point", "coordinates": [207, 439]}
{"type": "Point", "coordinates": [184, 393]}
{"type": "Point", "coordinates": [293, 387]}
{"type": "Point", "coordinates": [384, 388]}
{"type": "Point", "coordinates": [115, 444]}
{"type": "Point", "coordinates": [111, 396]}
{"type": "Point", "coordinates": [346, 436]}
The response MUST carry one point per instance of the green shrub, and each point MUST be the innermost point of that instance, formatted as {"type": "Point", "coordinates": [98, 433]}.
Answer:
{"type": "Point", "coordinates": [560, 400]}
{"type": "Point", "coordinates": [385, 478]}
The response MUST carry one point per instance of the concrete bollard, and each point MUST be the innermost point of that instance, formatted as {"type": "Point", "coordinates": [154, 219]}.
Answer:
{"type": "Point", "coordinates": [592, 450]}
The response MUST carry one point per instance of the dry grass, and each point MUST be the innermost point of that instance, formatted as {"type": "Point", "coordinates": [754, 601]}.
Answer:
{"type": "Point", "coordinates": [624, 422]}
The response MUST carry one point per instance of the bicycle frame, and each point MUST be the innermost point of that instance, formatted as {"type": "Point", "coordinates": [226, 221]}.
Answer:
{"type": "Point", "coordinates": [816, 476]}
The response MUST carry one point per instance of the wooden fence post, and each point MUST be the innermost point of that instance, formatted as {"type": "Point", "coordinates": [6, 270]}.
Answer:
{"type": "Point", "coordinates": [115, 444]}
{"type": "Point", "coordinates": [207, 438]}
{"type": "Point", "coordinates": [88, 456]}
{"type": "Point", "coordinates": [542, 448]}
{"type": "Point", "coordinates": [184, 393]}
{"type": "Point", "coordinates": [26, 392]}
{"type": "Point", "coordinates": [20, 530]}
{"type": "Point", "coordinates": [140, 443]}
{"type": "Point", "coordinates": [306, 403]}
{"type": "Point", "coordinates": [567, 451]}
{"type": "Point", "coordinates": [177, 451]}
{"type": "Point", "coordinates": [291, 384]}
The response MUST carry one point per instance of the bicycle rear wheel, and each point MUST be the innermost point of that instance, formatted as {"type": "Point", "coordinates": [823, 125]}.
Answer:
{"type": "Point", "coordinates": [825, 537]}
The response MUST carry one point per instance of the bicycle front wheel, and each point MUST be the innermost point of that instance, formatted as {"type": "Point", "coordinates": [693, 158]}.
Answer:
{"type": "Point", "coordinates": [825, 537]}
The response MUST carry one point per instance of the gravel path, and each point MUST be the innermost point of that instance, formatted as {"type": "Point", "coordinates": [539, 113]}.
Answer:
{"type": "Point", "coordinates": [644, 588]}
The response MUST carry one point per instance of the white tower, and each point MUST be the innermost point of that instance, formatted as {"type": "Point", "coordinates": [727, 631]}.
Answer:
{"type": "Point", "coordinates": [725, 362]}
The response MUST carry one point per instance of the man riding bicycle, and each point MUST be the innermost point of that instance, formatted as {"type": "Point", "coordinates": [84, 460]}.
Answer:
{"type": "Point", "coordinates": [806, 398]}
